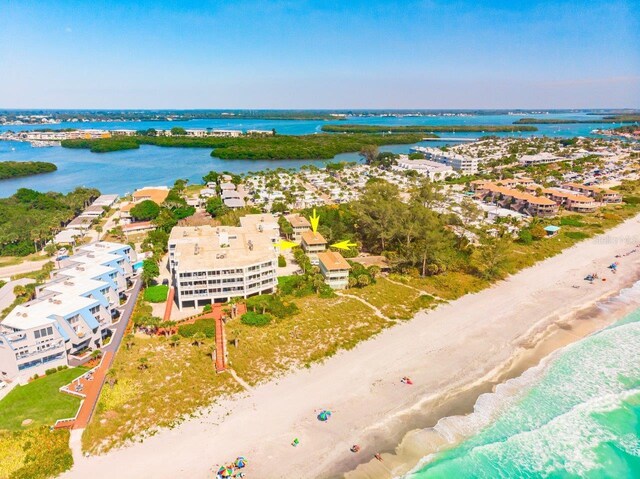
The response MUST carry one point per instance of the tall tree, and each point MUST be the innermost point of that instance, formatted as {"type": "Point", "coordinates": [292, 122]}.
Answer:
{"type": "Point", "coordinates": [369, 153]}
{"type": "Point", "coordinates": [377, 214]}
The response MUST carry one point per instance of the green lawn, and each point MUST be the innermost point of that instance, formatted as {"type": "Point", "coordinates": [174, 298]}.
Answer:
{"type": "Point", "coordinates": [156, 294]}
{"type": "Point", "coordinates": [40, 401]}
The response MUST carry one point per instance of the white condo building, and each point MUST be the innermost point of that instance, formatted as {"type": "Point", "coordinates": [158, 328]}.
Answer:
{"type": "Point", "coordinates": [70, 314]}
{"type": "Point", "coordinates": [214, 264]}
{"type": "Point", "coordinates": [466, 165]}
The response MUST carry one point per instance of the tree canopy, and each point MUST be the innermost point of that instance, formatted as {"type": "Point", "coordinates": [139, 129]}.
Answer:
{"type": "Point", "coordinates": [145, 210]}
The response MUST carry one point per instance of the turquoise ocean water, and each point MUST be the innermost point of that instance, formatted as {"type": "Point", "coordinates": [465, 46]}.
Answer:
{"type": "Point", "coordinates": [578, 416]}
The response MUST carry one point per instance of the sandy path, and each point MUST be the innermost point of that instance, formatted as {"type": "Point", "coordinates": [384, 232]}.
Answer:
{"type": "Point", "coordinates": [452, 346]}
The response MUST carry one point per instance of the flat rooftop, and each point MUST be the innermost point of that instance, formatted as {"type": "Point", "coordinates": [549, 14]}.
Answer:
{"type": "Point", "coordinates": [208, 247]}
{"type": "Point", "coordinates": [260, 222]}
{"type": "Point", "coordinates": [41, 311]}
{"type": "Point", "coordinates": [75, 286]}
{"type": "Point", "coordinates": [85, 271]}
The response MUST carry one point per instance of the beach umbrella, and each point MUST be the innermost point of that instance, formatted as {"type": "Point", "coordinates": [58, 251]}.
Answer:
{"type": "Point", "coordinates": [324, 415]}
{"type": "Point", "coordinates": [225, 472]}
{"type": "Point", "coordinates": [241, 462]}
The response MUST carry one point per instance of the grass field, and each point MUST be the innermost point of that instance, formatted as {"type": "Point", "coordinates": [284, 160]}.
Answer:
{"type": "Point", "coordinates": [40, 401]}
{"type": "Point", "coordinates": [393, 300]}
{"type": "Point", "coordinates": [447, 286]}
{"type": "Point", "coordinates": [177, 381]}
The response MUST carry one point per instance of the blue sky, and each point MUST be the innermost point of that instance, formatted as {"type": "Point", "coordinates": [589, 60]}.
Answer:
{"type": "Point", "coordinates": [319, 54]}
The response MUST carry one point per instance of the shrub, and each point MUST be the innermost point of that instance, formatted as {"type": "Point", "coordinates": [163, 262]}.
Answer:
{"type": "Point", "coordinates": [571, 221]}
{"type": "Point", "coordinates": [156, 294]}
{"type": "Point", "coordinates": [282, 262]}
{"type": "Point", "coordinates": [255, 319]}
{"type": "Point", "coordinates": [631, 200]}
{"type": "Point", "coordinates": [294, 285]}
{"type": "Point", "coordinates": [206, 326]}
{"type": "Point", "coordinates": [326, 292]}
{"type": "Point", "coordinates": [49, 372]}
{"type": "Point", "coordinates": [576, 235]}
{"type": "Point", "coordinates": [525, 236]}
{"type": "Point", "coordinates": [63, 367]}
{"type": "Point", "coordinates": [538, 232]}
{"type": "Point", "coordinates": [267, 303]}
{"type": "Point", "coordinates": [207, 308]}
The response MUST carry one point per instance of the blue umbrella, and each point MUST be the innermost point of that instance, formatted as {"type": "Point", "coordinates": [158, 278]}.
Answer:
{"type": "Point", "coordinates": [324, 415]}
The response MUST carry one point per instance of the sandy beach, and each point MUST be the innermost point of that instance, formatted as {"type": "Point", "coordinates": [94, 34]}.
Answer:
{"type": "Point", "coordinates": [452, 354]}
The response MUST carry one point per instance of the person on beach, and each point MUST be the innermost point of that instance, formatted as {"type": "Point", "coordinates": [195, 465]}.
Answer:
{"type": "Point", "coordinates": [355, 448]}
{"type": "Point", "coordinates": [378, 456]}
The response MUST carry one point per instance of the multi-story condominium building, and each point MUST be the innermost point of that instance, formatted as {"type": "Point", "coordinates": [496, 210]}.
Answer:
{"type": "Point", "coordinates": [335, 269]}
{"type": "Point", "coordinates": [602, 194]}
{"type": "Point", "coordinates": [432, 169]}
{"type": "Point", "coordinates": [543, 158]}
{"type": "Point", "coordinates": [300, 225]}
{"type": "Point", "coordinates": [516, 200]}
{"type": "Point", "coordinates": [312, 244]}
{"type": "Point", "coordinates": [70, 314]}
{"type": "Point", "coordinates": [570, 200]}
{"type": "Point", "coordinates": [214, 264]}
{"type": "Point", "coordinates": [466, 165]}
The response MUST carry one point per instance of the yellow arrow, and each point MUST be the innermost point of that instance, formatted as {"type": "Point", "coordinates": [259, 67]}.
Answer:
{"type": "Point", "coordinates": [344, 245]}
{"type": "Point", "coordinates": [315, 220]}
{"type": "Point", "coordinates": [283, 244]}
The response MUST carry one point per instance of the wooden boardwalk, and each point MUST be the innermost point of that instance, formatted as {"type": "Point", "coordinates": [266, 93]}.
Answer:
{"type": "Point", "coordinates": [90, 393]}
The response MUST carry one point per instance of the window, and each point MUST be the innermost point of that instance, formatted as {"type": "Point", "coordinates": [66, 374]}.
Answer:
{"type": "Point", "coordinates": [49, 331]}
{"type": "Point", "coordinates": [36, 334]}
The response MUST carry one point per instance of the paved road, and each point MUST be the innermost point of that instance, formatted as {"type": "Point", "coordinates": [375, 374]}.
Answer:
{"type": "Point", "coordinates": [6, 292]}
{"type": "Point", "coordinates": [26, 267]}
{"type": "Point", "coordinates": [125, 316]}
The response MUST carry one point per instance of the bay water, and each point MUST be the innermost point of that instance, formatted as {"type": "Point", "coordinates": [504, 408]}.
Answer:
{"type": "Point", "coordinates": [122, 172]}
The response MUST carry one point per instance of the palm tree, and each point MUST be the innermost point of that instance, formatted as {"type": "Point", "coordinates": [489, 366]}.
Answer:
{"type": "Point", "coordinates": [374, 271]}
{"type": "Point", "coordinates": [198, 338]}
{"type": "Point", "coordinates": [174, 340]}
{"type": "Point", "coordinates": [129, 341]}
{"type": "Point", "coordinates": [167, 327]}
{"type": "Point", "coordinates": [96, 354]}
{"type": "Point", "coordinates": [112, 377]}
{"type": "Point", "coordinates": [143, 363]}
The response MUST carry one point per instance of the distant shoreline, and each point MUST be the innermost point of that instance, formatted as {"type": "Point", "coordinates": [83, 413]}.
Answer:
{"type": "Point", "coordinates": [20, 169]}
